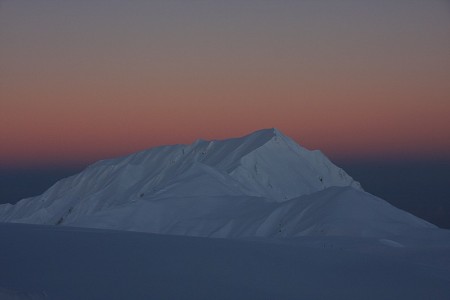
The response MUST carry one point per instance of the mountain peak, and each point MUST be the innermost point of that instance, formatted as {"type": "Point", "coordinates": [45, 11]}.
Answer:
{"type": "Point", "coordinates": [221, 180]}
{"type": "Point", "coordinates": [268, 132]}
{"type": "Point", "coordinates": [276, 132]}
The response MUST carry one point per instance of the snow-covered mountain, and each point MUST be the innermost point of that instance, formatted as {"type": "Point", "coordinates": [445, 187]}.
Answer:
{"type": "Point", "coordinates": [262, 184]}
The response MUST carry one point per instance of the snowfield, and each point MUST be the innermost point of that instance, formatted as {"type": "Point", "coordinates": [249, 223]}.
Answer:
{"type": "Point", "coordinates": [57, 262]}
{"type": "Point", "coordinates": [256, 217]}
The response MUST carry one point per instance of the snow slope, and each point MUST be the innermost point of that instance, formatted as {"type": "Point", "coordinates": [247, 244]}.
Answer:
{"type": "Point", "coordinates": [59, 262]}
{"type": "Point", "coordinates": [259, 185]}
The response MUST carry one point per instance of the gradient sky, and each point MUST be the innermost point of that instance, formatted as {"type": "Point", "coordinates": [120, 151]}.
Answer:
{"type": "Point", "coordinates": [86, 80]}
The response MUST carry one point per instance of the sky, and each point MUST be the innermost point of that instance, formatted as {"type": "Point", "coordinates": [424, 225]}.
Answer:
{"type": "Point", "coordinates": [86, 80]}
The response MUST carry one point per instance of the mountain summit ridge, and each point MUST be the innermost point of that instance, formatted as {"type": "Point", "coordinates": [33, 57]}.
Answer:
{"type": "Point", "coordinates": [222, 188]}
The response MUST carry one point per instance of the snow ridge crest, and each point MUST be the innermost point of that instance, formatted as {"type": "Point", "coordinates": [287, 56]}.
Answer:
{"type": "Point", "coordinates": [252, 185]}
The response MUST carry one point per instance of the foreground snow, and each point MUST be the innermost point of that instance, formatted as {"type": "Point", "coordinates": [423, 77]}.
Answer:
{"type": "Point", "coordinates": [50, 262]}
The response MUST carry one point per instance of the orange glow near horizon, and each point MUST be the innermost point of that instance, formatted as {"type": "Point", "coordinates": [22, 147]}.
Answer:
{"type": "Point", "coordinates": [80, 83]}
